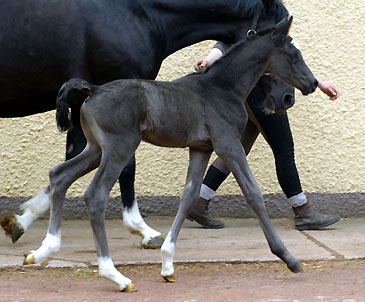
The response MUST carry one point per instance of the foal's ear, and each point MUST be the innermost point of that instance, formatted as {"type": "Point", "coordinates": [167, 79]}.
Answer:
{"type": "Point", "coordinates": [282, 29]}
{"type": "Point", "coordinates": [290, 21]}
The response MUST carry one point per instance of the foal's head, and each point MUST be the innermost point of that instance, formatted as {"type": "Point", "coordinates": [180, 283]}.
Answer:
{"type": "Point", "coordinates": [286, 60]}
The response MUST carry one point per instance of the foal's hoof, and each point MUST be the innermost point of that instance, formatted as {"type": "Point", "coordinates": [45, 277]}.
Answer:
{"type": "Point", "coordinates": [153, 244]}
{"type": "Point", "coordinates": [12, 227]}
{"type": "Point", "coordinates": [296, 267]}
{"type": "Point", "coordinates": [170, 278]}
{"type": "Point", "coordinates": [29, 259]}
{"type": "Point", "coordinates": [130, 288]}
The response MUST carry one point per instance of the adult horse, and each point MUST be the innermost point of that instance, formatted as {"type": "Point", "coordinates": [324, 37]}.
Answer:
{"type": "Point", "coordinates": [203, 111]}
{"type": "Point", "coordinates": [45, 43]}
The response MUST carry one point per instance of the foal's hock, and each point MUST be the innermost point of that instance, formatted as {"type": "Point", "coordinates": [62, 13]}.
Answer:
{"type": "Point", "coordinates": [203, 111]}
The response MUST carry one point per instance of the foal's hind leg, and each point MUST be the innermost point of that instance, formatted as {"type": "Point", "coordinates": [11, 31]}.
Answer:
{"type": "Point", "coordinates": [197, 164]}
{"type": "Point", "coordinates": [61, 177]}
{"type": "Point", "coordinates": [236, 160]}
{"type": "Point", "coordinates": [115, 156]}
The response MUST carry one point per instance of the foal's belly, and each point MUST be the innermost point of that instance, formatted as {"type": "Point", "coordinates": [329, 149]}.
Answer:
{"type": "Point", "coordinates": [173, 138]}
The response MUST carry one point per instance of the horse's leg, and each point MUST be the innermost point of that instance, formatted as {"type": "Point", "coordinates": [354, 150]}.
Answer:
{"type": "Point", "coordinates": [131, 216]}
{"type": "Point", "coordinates": [198, 162]}
{"type": "Point", "coordinates": [15, 225]}
{"type": "Point", "coordinates": [116, 153]}
{"type": "Point", "coordinates": [235, 158]}
{"type": "Point", "coordinates": [61, 177]}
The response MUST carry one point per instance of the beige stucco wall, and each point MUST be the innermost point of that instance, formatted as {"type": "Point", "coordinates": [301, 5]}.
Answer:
{"type": "Point", "coordinates": [329, 136]}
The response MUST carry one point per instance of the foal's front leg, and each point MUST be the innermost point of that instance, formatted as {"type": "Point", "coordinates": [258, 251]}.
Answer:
{"type": "Point", "coordinates": [235, 158]}
{"type": "Point", "coordinates": [197, 164]}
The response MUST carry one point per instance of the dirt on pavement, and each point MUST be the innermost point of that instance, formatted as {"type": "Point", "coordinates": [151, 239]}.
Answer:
{"type": "Point", "coordinates": [198, 282]}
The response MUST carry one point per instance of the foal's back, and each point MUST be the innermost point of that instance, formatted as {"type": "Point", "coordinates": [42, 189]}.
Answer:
{"type": "Point", "coordinates": [167, 114]}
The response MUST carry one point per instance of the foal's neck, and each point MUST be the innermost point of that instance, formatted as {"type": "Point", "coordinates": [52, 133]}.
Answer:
{"type": "Point", "coordinates": [241, 67]}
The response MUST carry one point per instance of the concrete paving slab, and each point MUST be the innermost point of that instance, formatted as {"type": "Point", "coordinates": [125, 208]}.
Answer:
{"type": "Point", "coordinates": [346, 239]}
{"type": "Point", "coordinates": [241, 240]}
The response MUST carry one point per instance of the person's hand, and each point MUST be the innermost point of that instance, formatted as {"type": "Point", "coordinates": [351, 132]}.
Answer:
{"type": "Point", "coordinates": [201, 64]}
{"type": "Point", "coordinates": [328, 89]}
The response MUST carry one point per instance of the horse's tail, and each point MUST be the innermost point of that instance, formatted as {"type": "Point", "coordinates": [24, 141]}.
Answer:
{"type": "Point", "coordinates": [71, 94]}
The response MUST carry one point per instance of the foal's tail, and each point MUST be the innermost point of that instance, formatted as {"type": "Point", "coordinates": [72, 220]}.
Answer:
{"type": "Point", "coordinates": [71, 94]}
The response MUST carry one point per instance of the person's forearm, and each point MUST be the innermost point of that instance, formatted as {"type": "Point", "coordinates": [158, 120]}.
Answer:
{"type": "Point", "coordinates": [328, 89]}
{"type": "Point", "coordinates": [214, 55]}
{"type": "Point", "coordinates": [320, 82]}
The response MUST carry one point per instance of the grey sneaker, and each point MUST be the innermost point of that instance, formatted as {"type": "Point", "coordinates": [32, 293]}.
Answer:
{"type": "Point", "coordinates": [308, 219]}
{"type": "Point", "coordinates": [316, 222]}
{"type": "Point", "coordinates": [200, 215]}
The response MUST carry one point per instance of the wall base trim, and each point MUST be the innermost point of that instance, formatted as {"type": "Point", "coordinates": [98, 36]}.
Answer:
{"type": "Point", "coordinates": [343, 204]}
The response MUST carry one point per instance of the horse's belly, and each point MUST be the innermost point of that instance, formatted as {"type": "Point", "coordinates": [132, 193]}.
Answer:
{"type": "Point", "coordinates": [177, 138]}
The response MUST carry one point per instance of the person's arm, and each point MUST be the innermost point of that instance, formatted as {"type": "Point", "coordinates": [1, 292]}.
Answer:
{"type": "Point", "coordinates": [328, 89]}
{"type": "Point", "coordinates": [214, 54]}
{"type": "Point", "coordinates": [217, 51]}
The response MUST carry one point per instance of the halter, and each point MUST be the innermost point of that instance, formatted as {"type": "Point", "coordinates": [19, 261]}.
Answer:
{"type": "Point", "coordinates": [252, 31]}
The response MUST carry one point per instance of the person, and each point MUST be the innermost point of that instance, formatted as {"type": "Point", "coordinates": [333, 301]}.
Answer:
{"type": "Point", "coordinates": [276, 130]}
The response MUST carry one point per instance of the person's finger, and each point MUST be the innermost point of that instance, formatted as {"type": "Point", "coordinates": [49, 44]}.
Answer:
{"type": "Point", "coordinates": [334, 93]}
{"type": "Point", "coordinates": [203, 64]}
{"type": "Point", "coordinates": [197, 64]}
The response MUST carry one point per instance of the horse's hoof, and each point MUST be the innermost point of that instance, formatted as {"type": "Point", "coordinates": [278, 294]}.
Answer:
{"type": "Point", "coordinates": [170, 278]}
{"type": "Point", "coordinates": [153, 244]}
{"type": "Point", "coordinates": [18, 231]}
{"type": "Point", "coordinates": [29, 259]}
{"type": "Point", "coordinates": [12, 227]}
{"type": "Point", "coordinates": [130, 288]}
{"type": "Point", "coordinates": [296, 267]}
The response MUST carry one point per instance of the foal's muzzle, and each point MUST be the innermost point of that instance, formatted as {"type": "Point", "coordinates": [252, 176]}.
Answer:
{"type": "Point", "coordinates": [310, 88]}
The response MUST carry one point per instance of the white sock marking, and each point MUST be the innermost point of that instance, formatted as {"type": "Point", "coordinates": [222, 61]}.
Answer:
{"type": "Point", "coordinates": [33, 208]}
{"type": "Point", "coordinates": [167, 256]}
{"type": "Point", "coordinates": [135, 223]}
{"type": "Point", "coordinates": [108, 270]}
{"type": "Point", "coordinates": [50, 244]}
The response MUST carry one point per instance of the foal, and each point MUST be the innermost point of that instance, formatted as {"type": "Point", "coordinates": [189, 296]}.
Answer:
{"type": "Point", "coordinates": [184, 113]}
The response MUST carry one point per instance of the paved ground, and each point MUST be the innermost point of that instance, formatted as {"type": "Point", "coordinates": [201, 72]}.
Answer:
{"type": "Point", "coordinates": [233, 264]}
{"type": "Point", "coordinates": [241, 241]}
